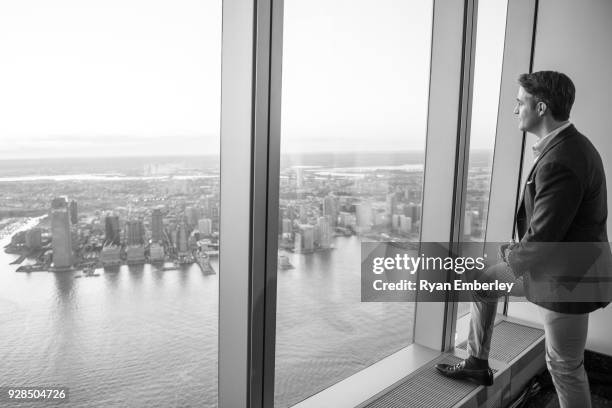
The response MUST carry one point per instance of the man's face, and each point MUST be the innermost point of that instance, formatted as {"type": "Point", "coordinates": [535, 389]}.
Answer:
{"type": "Point", "coordinates": [526, 110]}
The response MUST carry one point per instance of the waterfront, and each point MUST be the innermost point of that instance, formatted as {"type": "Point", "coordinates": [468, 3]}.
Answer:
{"type": "Point", "coordinates": [135, 337]}
{"type": "Point", "coordinates": [139, 337]}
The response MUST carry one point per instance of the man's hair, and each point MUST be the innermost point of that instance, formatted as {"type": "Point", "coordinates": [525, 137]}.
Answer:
{"type": "Point", "coordinates": [555, 89]}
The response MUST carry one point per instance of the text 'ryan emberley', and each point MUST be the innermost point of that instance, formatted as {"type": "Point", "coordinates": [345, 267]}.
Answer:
{"type": "Point", "coordinates": [431, 287]}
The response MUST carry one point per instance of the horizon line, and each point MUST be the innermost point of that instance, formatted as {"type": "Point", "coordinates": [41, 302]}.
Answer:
{"type": "Point", "coordinates": [218, 154]}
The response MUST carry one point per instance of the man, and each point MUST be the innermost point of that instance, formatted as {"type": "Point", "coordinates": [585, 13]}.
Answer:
{"type": "Point", "coordinates": [564, 200]}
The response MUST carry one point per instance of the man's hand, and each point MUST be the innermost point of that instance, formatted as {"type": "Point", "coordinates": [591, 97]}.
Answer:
{"type": "Point", "coordinates": [505, 250]}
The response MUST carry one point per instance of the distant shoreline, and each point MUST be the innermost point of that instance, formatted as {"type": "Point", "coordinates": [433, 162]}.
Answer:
{"type": "Point", "coordinates": [195, 156]}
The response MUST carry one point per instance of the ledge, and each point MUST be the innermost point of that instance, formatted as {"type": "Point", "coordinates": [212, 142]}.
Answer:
{"type": "Point", "coordinates": [408, 375]}
{"type": "Point", "coordinates": [373, 380]}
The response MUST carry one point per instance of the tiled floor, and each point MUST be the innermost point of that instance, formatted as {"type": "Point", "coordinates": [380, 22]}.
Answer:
{"type": "Point", "coordinates": [598, 369]}
{"type": "Point", "coordinates": [548, 399]}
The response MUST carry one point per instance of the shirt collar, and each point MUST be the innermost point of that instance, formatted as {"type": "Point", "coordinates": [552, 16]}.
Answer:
{"type": "Point", "coordinates": [541, 144]}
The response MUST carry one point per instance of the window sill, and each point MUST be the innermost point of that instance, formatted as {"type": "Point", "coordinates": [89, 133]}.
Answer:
{"type": "Point", "coordinates": [373, 380]}
{"type": "Point", "coordinates": [380, 378]}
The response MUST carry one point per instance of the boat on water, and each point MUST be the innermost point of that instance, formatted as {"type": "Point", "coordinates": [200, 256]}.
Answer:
{"type": "Point", "coordinates": [33, 268]}
{"type": "Point", "coordinates": [283, 262]}
{"type": "Point", "coordinates": [88, 273]}
{"type": "Point", "coordinates": [203, 261]}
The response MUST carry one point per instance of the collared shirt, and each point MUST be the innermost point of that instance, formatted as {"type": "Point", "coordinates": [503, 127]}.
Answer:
{"type": "Point", "coordinates": [539, 147]}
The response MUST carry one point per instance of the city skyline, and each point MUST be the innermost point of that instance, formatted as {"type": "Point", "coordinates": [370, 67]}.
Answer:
{"type": "Point", "coordinates": [89, 230]}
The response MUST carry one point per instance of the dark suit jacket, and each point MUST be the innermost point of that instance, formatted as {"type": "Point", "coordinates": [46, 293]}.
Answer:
{"type": "Point", "coordinates": [564, 200]}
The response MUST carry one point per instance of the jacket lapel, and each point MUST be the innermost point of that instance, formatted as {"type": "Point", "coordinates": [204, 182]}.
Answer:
{"type": "Point", "coordinates": [569, 131]}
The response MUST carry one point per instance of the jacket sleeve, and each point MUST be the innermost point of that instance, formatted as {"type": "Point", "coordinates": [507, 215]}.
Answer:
{"type": "Point", "coordinates": [558, 195]}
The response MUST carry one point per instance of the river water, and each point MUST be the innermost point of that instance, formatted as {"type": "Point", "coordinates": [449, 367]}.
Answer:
{"type": "Point", "coordinates": [139, 337]}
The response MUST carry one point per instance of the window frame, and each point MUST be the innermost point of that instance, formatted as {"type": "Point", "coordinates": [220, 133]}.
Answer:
{"type": "Point", "coordinates": [250, 159]}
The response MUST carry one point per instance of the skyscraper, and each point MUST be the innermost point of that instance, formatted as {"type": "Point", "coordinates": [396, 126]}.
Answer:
{"type": "Point", "coordinates": [156, 253]}
{"type": "Point", "coordinates": [287, 226]}
{"type": "Point", "coordinates": [134, 232]}
{"type": "Point", "coordinates": [192, 215]}
{"type": "Point", "coordinates": [413, 211]}
{"type": "Point", "coordinates": [405, 224]}
{"type": "Point", "coordinates": [325, 232]}
{"type": "Point", "coordinates": [205, 226]}
{"type": "Point", "coordinates": [61, 238]}
{"type": "Point", "coordinates": [467, 223]}
{"type": "Point", "coordinates": [308, 235]}
{"type": "Point", "coordinates": [112, 231]}
{"type": "Point", "coordinates": [347, 219]}
{"type": "Point", "coordinates": [33, 238]}
{"type": "Point", "coordinates": [303, 214]}
{"type": "Point", "coordinates": [215, 211]}
{"type": "Point", "coordinates": [391, 204]}
{"type": "Point", "coordinates": [74, 216]}
{"type": "Point", "coordinates": [363, 212]}
{"type": "Point", "coordinates": [59, 202]}
{"type": "Point", "coordinates": [157, 225]}
{"type": "Point", "coordinates": [330, 207]}
{"type": "Point", "coordinates": [181, 239]}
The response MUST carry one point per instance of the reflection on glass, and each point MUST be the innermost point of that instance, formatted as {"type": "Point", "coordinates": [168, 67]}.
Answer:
{"type": "Point", "coordinates": [352, 155]}
{"type": "Point", "coordinates": [490, 36]}
{"type": "Point", "coordinates": [108, 231]}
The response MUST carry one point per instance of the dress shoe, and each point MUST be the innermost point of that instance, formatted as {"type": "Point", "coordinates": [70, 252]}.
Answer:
{"type": "Point", "coordinates": [481, 376]}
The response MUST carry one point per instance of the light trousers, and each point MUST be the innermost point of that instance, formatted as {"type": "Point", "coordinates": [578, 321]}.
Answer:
{"type": "Point", "coordinates": [565, 339]}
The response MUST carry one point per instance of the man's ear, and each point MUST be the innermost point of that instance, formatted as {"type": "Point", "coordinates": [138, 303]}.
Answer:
{"type": "Point", "coordinates": [542, 108]}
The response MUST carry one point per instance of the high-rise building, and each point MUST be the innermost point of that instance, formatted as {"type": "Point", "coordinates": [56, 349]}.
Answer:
{"type": "Point", "coordinates": [110, 255]}
{"type": "Point", "coordinates": [156, 253]}
{"type": "Point", "coordinates": [330, 207]}
{"type": "Point", "coordinates": [307, 238]}
{"type": "Point", "coordinates": [395, 222]}
{"type": "Point", "coordinates": [157, 226]}
{"type": "Point", "coordinates": [205, 226]}
{"type": "Point", "coordinates": [347, 219]}
{"type": "Point", "coordinates": [304, 239]}
{"type": "Point", "coordinates": [297, 243]}
{"type": "Point", "coordinates": [325, 232]}
{"type": "Point", "coordinates": [287, 226]}
{"type": "Point", "coordinates": [135, 254]}
{"type": "Point", "coordinates": [33, 238]}
{"type": "Point", "coordinates": [363, 212]}
{"type": "Point", "coordinates": [215, 211]}
{"type": "Point", "coordinates": [205, 205]}
{"type": "Point", "coordinates": [192, 240]}
{"type": "Point", "coordinates": [467, 223]}
{"type": "Point", "coordinates": [292, 212]}
{"type": "Point", "coordinates": [74, 216]}
{"type": "Point", "coordinates": [61, 237]}
{"type": "Point", "coordinates": [134, 232]}
{"type": "Point", "coordinates": [181, 239]}
{"type": "Point", "coordinates": [303, 214]}
{"type": "Point", "coordinates": [413, 211]}
{"type": "Point", "coordinates": [391, 204]}
{"type": "Point", "coordinates": [59, 202]}
{"type": "Point", "coordinates": [112, 231]}
{"type": "Point", "coordinates": [405, 224]}
{"type": "Point", "coordinates": [192, 215]}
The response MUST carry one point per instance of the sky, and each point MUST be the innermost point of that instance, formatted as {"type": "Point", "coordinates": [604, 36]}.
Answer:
{"type": "Point", "coordinates": [82, 78]}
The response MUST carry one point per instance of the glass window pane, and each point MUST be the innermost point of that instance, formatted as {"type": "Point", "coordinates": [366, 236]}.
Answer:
{"type": "Point", "coordinates": [490, 36]}
{"type": "Point", "coordinates": [109, 199]}
{"type": "Point", "coordinates": [353, 129]}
